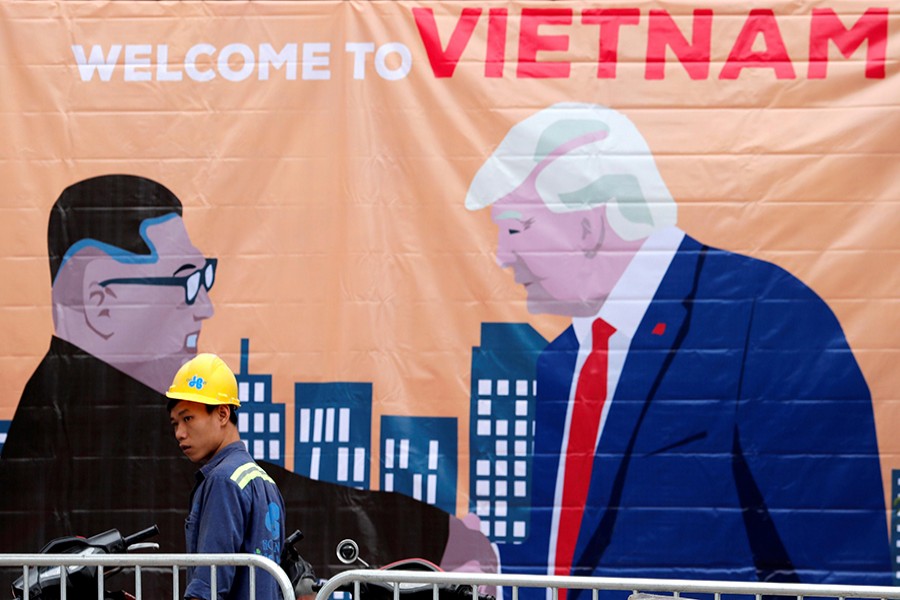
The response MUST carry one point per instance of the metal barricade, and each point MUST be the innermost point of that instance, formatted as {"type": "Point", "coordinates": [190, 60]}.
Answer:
{"type": "Point", "coordinates": [138, 562]}
{"type": "Point", "coordinates": [640, 589]}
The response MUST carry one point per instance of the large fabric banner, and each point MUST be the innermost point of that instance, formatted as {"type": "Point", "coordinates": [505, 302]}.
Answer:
{"type": "Point", "coordinates": [594, 288]}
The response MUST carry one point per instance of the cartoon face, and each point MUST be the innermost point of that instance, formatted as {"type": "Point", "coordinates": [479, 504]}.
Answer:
{"type": "Point", "coordinates": [148, 314]}
{"type": "Point", "coordinates": [139, 313]}
{"type": "Point", "coordinates": [568, 262]}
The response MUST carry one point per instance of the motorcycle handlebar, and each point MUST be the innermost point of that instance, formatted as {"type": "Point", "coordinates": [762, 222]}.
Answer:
{"type": "Point", "coordinates": [140, 536]}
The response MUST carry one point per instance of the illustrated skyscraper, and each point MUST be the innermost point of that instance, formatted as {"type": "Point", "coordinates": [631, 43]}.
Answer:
{"type": "Point", "coordinates": [260, 421]}
{"type": "Point", "coordinates": [501, 428]}
{"type": "Point", "coordinates": [419, 458]}
{"type": "Point", "coordinates": [4, 429]}
{"type": "Point", "coordinates": [333, 432]}
{"type": "Point", "coordinates": [895, 524]}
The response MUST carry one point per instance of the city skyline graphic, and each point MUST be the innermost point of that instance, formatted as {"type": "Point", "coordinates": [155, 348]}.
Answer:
{"type": "Point", "coordinates": [419, 455]}
{"type": "Point", "coordinates": [4, 429]}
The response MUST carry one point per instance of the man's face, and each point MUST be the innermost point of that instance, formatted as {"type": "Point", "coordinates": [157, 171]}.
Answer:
{"type": "Point", "coordinates": [148, 321]}
{"type": "Point", "coordinates": [200, 434]}
{"type": "Point", "coordinates": [568, 262]}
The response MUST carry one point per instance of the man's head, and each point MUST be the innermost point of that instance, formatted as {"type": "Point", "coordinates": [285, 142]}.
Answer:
{"type": "Point", "coordinates": [574, 192]}
{"type": "Point", "coordinates": [129, 287]}
{"type": "Point", "coordinates": [203, 398]}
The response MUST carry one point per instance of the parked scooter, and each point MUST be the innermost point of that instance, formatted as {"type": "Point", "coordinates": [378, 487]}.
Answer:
{"type": "Point", "coordinates": [44, 583]}
{"type": "Point", "coordinates": [348, 553]}
{"type": "Point", "coordinates": [81, 581]}
{"type": "Point", "coordinates": [298, 570]}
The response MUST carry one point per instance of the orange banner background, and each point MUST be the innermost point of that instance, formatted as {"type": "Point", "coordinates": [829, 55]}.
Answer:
{"type": "Point", "coordinates": [335, 206]}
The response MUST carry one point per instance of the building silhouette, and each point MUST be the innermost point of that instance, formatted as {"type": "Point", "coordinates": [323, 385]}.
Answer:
{"type": "Point", "coordinates": [333, 432]}
{"type": "Point", "coordinates": [4, 429]}
{"type": "Point", "coordinates": [895, 524]}
{"type": "Point", "coordinates": [419, 458]}
{"type": "Point", "coordinates": [501, 428]}
{"type": "Point", "coordinates": [260, 421]}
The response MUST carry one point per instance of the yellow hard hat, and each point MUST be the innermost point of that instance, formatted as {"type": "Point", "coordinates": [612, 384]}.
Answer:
{"type": "Point", "coordinates": [205, 379]}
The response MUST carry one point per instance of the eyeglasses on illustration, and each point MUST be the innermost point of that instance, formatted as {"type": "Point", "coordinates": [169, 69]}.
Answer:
{"type": "Point", "coordinates": [191, 282]}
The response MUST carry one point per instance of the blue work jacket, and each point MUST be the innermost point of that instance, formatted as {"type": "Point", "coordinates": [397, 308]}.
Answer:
{"type": "Point", "coordinates": [235, 508]}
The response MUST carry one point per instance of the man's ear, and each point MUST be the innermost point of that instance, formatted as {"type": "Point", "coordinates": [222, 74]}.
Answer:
{"type": "Point", "coordinates": [223, 413]}
{"type": "Point", "coordinates": [98, 301]}
{"type": "Point", "coordinates": [593, 231]}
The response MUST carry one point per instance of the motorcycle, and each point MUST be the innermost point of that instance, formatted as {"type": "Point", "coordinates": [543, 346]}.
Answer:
{"type": "Point", "coordinates": [298, 570]}
{"type": "Point", "coordinates": [44, 583]}
{"type": "Point", "coordinates": [348, 553]}
{"type": "Point", "coordinates": [81, 581]}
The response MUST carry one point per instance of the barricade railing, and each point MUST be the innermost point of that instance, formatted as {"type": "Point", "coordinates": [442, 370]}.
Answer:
{"type": "Point", "coordinates": [640, 589]}
{"type": "Point", "coordinates": [138, 562]}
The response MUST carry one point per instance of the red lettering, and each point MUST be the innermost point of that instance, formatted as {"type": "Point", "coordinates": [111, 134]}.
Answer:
{"type": "Point", "coordinates": [775, 56]}
{"type": "Point", "coordinates": [531, 42]}
{"type": "Point", "coordinates": [664, 33]}
{"type": "Point", "coordinates": [872, 27]}
{"type": "Point", "coordinates": [758, 45]}
{"type": "Point", "coordinates": [609, 20]}
{"type": "Point", "coordinates": [496, 43]}
{"type": "Point", "coordinates": [443, 62]}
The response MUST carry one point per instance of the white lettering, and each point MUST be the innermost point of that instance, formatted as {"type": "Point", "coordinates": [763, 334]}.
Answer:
{"type": "Point", "coordinates": [399, 72]}
{"type": "Point", "coordinates": [359, 50]}
{"type": "Point", "coordinates": [236, 62]}
{"type": "Point", "coordinates": [286, 58]}
{"type": "Point", "coordinates": [249, 61]}
{"type": "Point", "coordinates": [316, 55]}
{"type": "Point", "coordinates": [190, 62]}
{"type": "Point", "coordinates": [97, 62]}
{"type": "Point", "coordinates": [162, 65]}
{"type": "Point", "coordinates": [137, 56]}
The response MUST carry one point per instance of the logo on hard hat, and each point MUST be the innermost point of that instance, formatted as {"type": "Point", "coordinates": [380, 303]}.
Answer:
{"type": "Point", "coordinates": [196, 382]}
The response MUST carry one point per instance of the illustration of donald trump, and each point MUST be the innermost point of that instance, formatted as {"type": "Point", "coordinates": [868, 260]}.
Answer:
{"type": "Point", "coordinates": [703, 417]}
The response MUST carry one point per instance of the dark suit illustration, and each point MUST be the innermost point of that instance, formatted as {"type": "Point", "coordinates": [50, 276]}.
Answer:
{"type": "Point", "coordinates": [90, 447]}
{"type": "Point", "coordinates": [737, 439]}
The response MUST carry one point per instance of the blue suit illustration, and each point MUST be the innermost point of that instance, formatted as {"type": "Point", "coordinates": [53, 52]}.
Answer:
{"type": "Point", "coordinates": [740, 443]}
{"type": "Point", "coordinates": [736, 440]}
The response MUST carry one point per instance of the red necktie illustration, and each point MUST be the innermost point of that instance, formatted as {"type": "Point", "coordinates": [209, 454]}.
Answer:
{"type": "Point", "coordinates": [590, 395]}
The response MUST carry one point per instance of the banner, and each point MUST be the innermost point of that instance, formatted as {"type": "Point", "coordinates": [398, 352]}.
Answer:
{"type": "Point", "coordinates": [399, 222]}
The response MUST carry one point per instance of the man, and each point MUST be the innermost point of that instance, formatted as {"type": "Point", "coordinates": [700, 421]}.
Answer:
{"type": "Point", "coordinates": [703, 417]}
{"type": "Point", "coordinates": [235, 506]}
{"type": "Point", "coordinates": [88, 449]}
